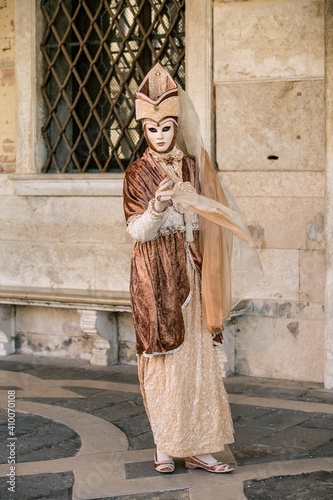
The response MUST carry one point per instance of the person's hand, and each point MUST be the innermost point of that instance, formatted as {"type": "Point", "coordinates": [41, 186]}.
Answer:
{"type": "Point", "coordinates": [163, 195]}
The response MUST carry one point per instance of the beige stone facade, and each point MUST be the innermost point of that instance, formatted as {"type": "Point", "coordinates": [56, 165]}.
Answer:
{"type": "Point", "coordinates": [7, 86]}
{"type": "Point", "coordinates": [270, 146]}
{"type": "Point", "coordinates": [256, 73]}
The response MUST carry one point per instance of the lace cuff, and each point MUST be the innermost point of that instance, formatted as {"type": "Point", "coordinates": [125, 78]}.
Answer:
{"type": "Point", "coordinates": [153, 213]}
{"type": "Point", "coordinates": [146, 227]}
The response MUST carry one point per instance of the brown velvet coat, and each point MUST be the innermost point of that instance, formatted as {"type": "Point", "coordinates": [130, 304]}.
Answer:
{"type": "Point", "coordinates": [159, 284]}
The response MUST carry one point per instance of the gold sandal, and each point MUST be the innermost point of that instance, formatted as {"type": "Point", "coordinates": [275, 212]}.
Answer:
{"type": "Point", "coordinates": [217, 468]}
{"type": "Point", "coordinates": [165, 466]}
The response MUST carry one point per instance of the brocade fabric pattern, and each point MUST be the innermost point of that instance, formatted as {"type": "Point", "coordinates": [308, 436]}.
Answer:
{"type": "Point", "coordinates": [183, 391]}
{"type": "Point", "coordinates": [159, 284]}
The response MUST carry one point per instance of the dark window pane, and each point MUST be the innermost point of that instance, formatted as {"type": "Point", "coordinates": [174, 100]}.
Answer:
{"type": "Point", "coordinates": [96, 53]}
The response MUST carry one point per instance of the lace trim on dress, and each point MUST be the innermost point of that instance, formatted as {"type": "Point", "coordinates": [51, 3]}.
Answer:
{"type": "Point", "coordinates": [133, 218]}
{"type": "Point", "coordinates": [154, 213]}
{"type": "Point", "coordinates": [189, 256]}
{"type": "Point", "coordinates": [145, 355]}
{"type": "Point", "coordinates": [145, 227]}
{"type": "Point", "coordinates": [187, 300]}
{"type": "Point", "coordinates": [151, 224]}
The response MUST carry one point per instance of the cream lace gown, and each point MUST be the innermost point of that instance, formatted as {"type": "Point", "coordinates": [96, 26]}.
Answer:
{"type": "Point", "coordinates": [183, 391]}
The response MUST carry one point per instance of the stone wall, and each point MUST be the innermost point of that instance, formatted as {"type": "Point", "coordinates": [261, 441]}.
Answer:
{"type": "Point", "coordinates": [269, 94]}
{"type": "Point", "coordinates": [7, 87]}
{"type": "Point", "coordinates": [63, 242]}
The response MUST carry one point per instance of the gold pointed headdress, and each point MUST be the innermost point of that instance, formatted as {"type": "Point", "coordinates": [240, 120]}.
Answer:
{"type": "Point", "coordinates": [157, 96]}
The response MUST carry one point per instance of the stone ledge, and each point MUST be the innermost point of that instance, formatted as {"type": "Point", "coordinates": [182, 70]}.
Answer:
{"type": "Point", "coordinates": [68, 298]}
{"type": "Point", "coordinates": [67, 184]}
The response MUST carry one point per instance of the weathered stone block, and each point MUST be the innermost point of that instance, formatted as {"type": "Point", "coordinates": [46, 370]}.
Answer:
{"type": "Point", "coordinates": [281, 275]}
{"type": "Point", "coordinates": [72, 248]}
{"type": "Point", "coordinates": [62, 265]}
{"type": "Point", "coordinates": [312, 276]}
{"type": "Point", "coordinates": [229, 349]}
{"type": "Point", "coordinates": [127, 339]}
{"type": "Point", "coordinates": [283, 348]}
{"type": "Point", "coordinates": [127, 353]}
{"type": "Point", "coordinates": [7, 329]}
{"type": "Point", "coordinates": [315, 233]}
{"type": "Point", "coordinates": [283, 220]}
{"type": "Point", "coordinates": [112, 266]}
{"type": "Point", "coordinates": [50, 332]}
{"type": "Point", "coordinates": [49, 321]}
{"type": "Point", "coordinates": [6, 187]}
{"type": "Point", "coordinates": [286, 309]}
{"type": "Point", "coordinates": [7, 84]}
{"type": "Point", "coordinates": [64, 218]}
{"type": "Point", "coordinates": [126, 327]}
{"type": "Point", "coordinates": [268, 39]}
{"type": "Point", "coordinates": [257, 121]}
{"type": "Point", "coordinates": [275, 184]}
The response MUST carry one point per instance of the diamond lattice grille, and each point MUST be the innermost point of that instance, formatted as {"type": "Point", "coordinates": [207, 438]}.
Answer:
{"type": "Point", "coordinates": [96, 53]}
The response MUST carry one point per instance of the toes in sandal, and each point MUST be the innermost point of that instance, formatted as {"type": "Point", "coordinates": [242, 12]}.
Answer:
{"type": "Point", "coordinates": [217, 468]}
{"type": "Point", "coordinates": [165, 466]}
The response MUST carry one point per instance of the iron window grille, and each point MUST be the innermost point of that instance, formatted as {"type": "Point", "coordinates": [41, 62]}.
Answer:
{"type": "Point", "coordinates": [96, 53]}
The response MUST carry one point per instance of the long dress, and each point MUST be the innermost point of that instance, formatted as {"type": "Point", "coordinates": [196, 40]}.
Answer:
{"type": "Point", "coordinates": [180, 378]}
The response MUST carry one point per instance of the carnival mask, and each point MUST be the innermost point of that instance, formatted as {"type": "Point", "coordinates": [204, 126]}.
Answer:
{"type": "Point", "coordinates": [160, 136]}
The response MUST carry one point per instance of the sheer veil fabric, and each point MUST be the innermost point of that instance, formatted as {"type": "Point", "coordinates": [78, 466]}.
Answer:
{"type": "Point", "coordinates": [231, 265]}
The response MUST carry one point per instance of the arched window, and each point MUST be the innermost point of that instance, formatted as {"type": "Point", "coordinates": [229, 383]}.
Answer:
{"type": "Point", "coordinates": [96, 53]}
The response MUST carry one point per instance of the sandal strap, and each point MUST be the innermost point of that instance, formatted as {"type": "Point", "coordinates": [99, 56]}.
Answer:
{"type": "Point", "coordinates": [215, 467]}
{"type": "Point", "coordinates": [160, 467]}
{"type": "Point", "coordinates": [164, 465]}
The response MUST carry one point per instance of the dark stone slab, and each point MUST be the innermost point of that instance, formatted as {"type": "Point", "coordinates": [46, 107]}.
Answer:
{"type": "Point", "coordinates": [37, 438]}
{"type": "Point", "coordinates": [295, 391]}
{"type": "Point", "coordinates": [137, 470]}
{"type": "Point", "coordinates": [68, 369]}
{"type": "Point", "coordinates": [267, 434]}
{"type": "Point", "coordinates": [320, 421]}
{"type": "Point", "coordinates": [9, 388]}
{"type": "Point", "coordinates": [57, 486]}
{"type": "Point", "coordinates": [156, 495]}
{"type": "Point", "coordinates": [313, 486]}
{"type": "Point", "coordinates": [123, 409]}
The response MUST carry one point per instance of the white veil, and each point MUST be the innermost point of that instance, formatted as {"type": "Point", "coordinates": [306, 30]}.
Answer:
{"type": "Point", "coordinates": [236, 255]}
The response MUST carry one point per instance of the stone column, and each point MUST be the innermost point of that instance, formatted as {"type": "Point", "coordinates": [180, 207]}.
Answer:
{"type": "Point", "coordinates": [199, 46]}
{"type": "Point", "coordinates": [25, 89]}
{"type": "Point", "coordinates": [328, 379]}
{"type": "Point", "coordinates": [99, 328]}
{"type": "Point", "coordinates": [30, 148]}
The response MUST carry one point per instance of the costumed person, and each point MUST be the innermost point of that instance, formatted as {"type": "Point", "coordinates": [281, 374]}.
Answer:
{"type": "Point", "coordinates": [191, 249]}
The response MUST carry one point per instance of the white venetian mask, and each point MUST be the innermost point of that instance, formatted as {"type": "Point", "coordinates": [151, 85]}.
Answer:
{"type": "Point", "coordinates": [160, 136]}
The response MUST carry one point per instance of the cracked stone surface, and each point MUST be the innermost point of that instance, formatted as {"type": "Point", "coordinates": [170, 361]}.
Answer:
{"type": "Point", "coordinates": [38, 438]}
{"type": "Point", "coordinates": [82, 433]}
{"type": "Point", "coordinates": [42, 486]}
{"type": "Point", "coordinates": [300, 391]}
{"type": "Point", "coordinates": [314, 486]}
{"type": "Point", "coordinates": [124, 410]}
{"type": "Point", "coordinates": [280, 434]}
{"type": "Point", "coordinates": [158, 495]}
